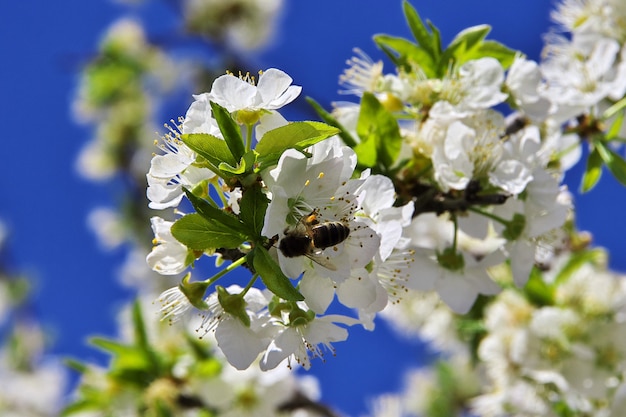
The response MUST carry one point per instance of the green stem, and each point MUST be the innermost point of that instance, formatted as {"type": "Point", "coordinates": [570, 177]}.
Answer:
{"type": "Point", "coordinates": [611, 111]}
{"type": "Point", "coordinates": [220, 191]}
{"type": "Point", "coordinates": [211, 167]}
{"type": "Point", "coordinates": [226, 270]}
{"type": "Point", "coordinates": [248, 139]}
{"type": "Point", "coordinates": [489, 215]}
{"type": "Point", "coordinates": [456, 232]}
{"type": "Point", "coordinates": [250, 283]}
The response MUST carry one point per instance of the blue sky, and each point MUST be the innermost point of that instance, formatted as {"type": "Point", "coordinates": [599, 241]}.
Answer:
{"type": "Point", "coordinates": [45, 203]}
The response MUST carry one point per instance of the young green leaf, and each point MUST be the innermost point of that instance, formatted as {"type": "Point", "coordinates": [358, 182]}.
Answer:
{"type": "Point", "coordinates": [141, 336]}
{"type": "Point", "coordinates": [496, 50]}
{"type": "Point", "coordinates": [537, 290]}
{"type": "Point", "coordinates": [84, 405]}
{"type": "Point", "coordinates": [245, 165]}
{"type": "Point", "coordinates": [617, 107]}
{"type": "Point", "coordinates": [595, 256]}
{"type": "Point", "coordinates": [213, 213]}
{"type": "Point", "coordinates": [427, 41]}
{"type": "Point", "coordinates": [612, 160]}
{"type": "Point", "coordinates": [616, 126]}
{"type": "Point", "coordinates": [253, 205]}
{"type": "Point", "coordinates": [273, 277]}
{"type": "Point", "coordinates": [407, 53]}
{"type": "Point", "coordinates": [297, 135]}
{"type": "Point", "coordinates": [379, 133]}
{"type": "Point", "coordinates": [593, 171]}
{"type": "Point", "coordinates": [328, 118]}
{"type": "Point", "coordinates": [128, 361]}
{"type": "Point", "coordinates": [199, 233]}
{"type": "Point", "coordinates": [230, 130]}
{"type": "Point", "coordinates": [211, 148]}
{"type": "Point", "coordinates": [462, 46]}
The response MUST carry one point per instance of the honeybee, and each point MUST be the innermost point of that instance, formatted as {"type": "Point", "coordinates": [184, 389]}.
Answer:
{"type": "Point", "coordinates": [310, 237]}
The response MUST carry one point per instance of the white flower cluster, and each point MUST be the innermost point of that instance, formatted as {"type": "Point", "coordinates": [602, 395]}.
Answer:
{"type": "Point", "coordinates": [440, 175]}
{"type": "Point", "coordinates": [190, 381]}
{"type": "Point", "coordinates": [587, 71]}
{"type": "Point", "coordinates": [572, 351]}
{"type": "Point", "coordinates": [335, 235]}
{"type": "Point", "coordinates": [487, 186]}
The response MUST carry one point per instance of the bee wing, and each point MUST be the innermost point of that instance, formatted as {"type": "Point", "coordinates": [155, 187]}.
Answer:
{"type": "Point", "coordinates": [321, 260]}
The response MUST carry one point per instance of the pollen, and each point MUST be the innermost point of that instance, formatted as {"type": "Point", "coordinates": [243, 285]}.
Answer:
{"type": "Point", "coordinates": [245, 77]}
{"type": "Point", "coordinates": [320, 176]}
{"type": "Point", "coordinates": [306, 183]}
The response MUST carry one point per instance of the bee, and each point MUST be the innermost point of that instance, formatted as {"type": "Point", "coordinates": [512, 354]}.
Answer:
{"type": "Point", "coordinates": [310, 237]}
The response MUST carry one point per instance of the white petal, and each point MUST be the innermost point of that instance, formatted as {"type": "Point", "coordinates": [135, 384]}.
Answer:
{"type": "Point", "coordinates": [322, 330]}
{"type": "Point", "coordinates": [511, 175]}
{"type": "Point", "coordinates": [358, 291]}
{"type": "Point", "coordinates": [163, 195]}
{"type": "Point", "coordinates": [288, 342]}
{"type": "Point", "coordinates": [233, 93]}
{"type": "Point", "coordinates": [167, 259]}
{"type": "Point", "coordinates": [275, 89]}
{"type": "Point", "coordinates": [269, 121]}
{"type": "Point", "coordinates": [240, 344]}
{"type": "Point", "coordinates": [168, 165]}
{"type": "Point", "coordinates": [292, 267]}
{"type": "Point", "coordinates": [424, 271]}
{"type": "Point", "coordinates": [456, 292]}
{"type": "Point", "coordinates": [318, 292]}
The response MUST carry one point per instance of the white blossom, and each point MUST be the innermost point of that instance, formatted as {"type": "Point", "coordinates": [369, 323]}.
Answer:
{"type": "Point", "coordinates": [175, 169]}
{"type": "Point", "coordinates": [273, 91]}
{"type": "Point", "coordinates": [301, 342]}
{"type": "Point", "coordinates": [168, 256]}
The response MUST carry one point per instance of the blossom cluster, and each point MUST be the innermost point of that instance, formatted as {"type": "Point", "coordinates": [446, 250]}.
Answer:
{"type": "Point", "coordinates": [433, 200]}
{"type": "Point", "coordinates": [554, 348]}
{"type": "Point", "coordinates": [447, 168]}
{"type": "Point", "coordinates": [181, 375]}
{"type": "Point", "coordinates": [485, 184]}
{"type": "Point", "coordinates": [291, 209]}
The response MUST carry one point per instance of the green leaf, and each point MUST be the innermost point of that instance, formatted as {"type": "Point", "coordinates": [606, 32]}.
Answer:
{"type": "Point", "coordinates": [83, 405]}
{"type": "Point", "coordinates": [213, 213]}
{"type": "Point", "coordinates": [462, 46]}
{"type": "Point", "coordinates": [141, 336]}
{"type": "Point", "coordinates": [436, 36]}
{"type": "Point", "coordinates": [199, 233]}
{"type": "Point", "coordinates": [128, 361]}
{"type": "Point", "coordinates": [613, 161]}
{"type": "Point", "coordinates": [391, 54]}
{"type": "Point", "coordinates": [379, 133]}
{"type": "Point", "coordinates": [611, 111]}
{"type": "Point", "coordinates": [496, 50]}
{"type": "Point", "coordinates": [593, 171]}
{"type": "Point", "coordinates": [76, 365]}
{"type": "Point", "coordinates": [576, 261]}
{"type": "Point", "coordinates": [253, 205]}
{"type": "Point", "coordinates": [211, 148]}
{"type": "Point", "coordinates": [471, 37]}
{"type": "Point", "coordinates": [408, 53]}
{"type": "Point", "coordinates": [537, 290]}
{"type": "Point", "coordinates": [328, 118]}
{"type": "Point", "coordinates": [421, 34]}
{"type": "Point", "coordinates": [245, 165]}
{"type": "Point", "coordinates": [112, 347]}
{"type": "Point", "coordinates": [298, 135]}
{"type": "Point", "coordinates": [616, 126]}
{"type": "Point", "coordinates": [273, 277]}
{"type": "Point", "coordinates": [230, 130]}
